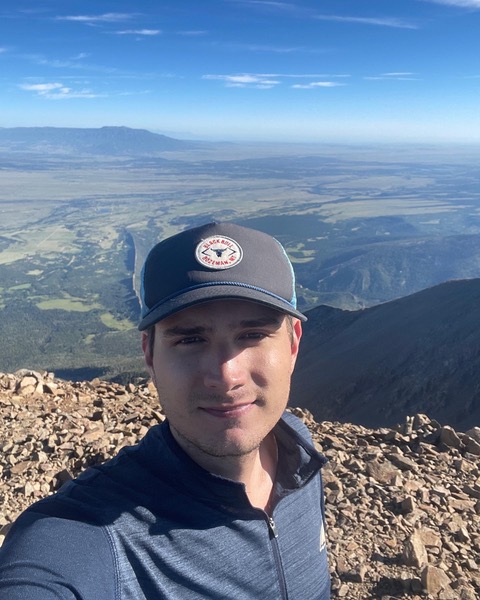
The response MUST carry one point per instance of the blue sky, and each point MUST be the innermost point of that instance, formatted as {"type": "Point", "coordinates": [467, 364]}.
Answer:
{"type": "Point", "coordinates": [306, 70]}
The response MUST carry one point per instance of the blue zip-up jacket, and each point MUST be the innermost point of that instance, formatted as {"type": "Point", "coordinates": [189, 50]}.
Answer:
{"type": "Point", "coordinates": [151, 524]}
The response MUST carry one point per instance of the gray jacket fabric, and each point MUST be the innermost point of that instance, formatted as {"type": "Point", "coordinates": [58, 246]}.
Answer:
{"type": "Point", "coordinates": [151, 524]}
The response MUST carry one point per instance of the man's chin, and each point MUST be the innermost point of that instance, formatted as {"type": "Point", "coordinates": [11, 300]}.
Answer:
{"type": "Point", "coordinates": [232, 442]}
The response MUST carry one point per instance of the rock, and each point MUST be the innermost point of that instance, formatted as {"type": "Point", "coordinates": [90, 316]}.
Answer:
{"type": "Point", "coordinates": [472, 446]}
{"type": "Point", "coordinates": [449, 437]}
{"type": "Point", "coordinates": [414, 552]}
{"type": "Point", "coordinates": [383, 472]}
{"type": "Point", "coordinates": [474, 433]}
{"type": "Point", "coordinates": [430, 538]}
{"type": "Point", "coordinates": [402, 462]}
{"type": "Point", "coordinates": [472, 490]}
{"type": "Point", "coordinates": [402, 504]}
{"type": "Point", "coordinates": [408, 505]}
{"type": "Point", "coordinates": [467, 593]}
{"type": "Point", "coordinates": [434, 580]}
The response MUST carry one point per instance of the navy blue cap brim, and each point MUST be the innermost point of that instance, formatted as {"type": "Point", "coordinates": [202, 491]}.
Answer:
{"type": "Point", "coordinates": [208, 293]}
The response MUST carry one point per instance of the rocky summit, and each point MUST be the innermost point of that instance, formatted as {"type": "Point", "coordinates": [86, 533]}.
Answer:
{"type": "Point", "coordinates": [402, 503]}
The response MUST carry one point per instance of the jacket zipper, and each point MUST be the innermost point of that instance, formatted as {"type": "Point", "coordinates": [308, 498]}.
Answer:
{"type": "Point", "coordinates": [276, 554]}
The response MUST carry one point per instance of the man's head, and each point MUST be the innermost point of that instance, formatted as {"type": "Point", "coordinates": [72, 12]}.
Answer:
{"type": "Point", "coordinates": [220, 301]}
{"type": "Point", "coordinates": [212, 262]}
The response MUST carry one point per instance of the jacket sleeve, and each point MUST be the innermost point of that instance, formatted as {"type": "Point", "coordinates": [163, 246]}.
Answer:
{"type": "Point", "coordinates": [50, 558]}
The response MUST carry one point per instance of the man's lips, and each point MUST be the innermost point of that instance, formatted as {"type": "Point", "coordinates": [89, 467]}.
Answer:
{"type": "Point", "coordinates": [229, 411]}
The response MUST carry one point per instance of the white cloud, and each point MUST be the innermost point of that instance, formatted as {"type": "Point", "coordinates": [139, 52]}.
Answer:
{"type": "Point", "coordinates": [56, 91]}
{"type": "Point", "coordinates": [269, 3]}
{"type": "Point", "coordinates": [459, 3]}
{"type": "Point", "coordinates": [2, 50]}
{"type": "Point", "coordinates": [270, 48]}
{"type": "Point", "coordinates": [274, 49]}
{"type": "Point", "coordinates": [314, 75]}
{"type": "Point", "coordinates": [105, 18]}
{"type": "Point", "coordinates": [377, 21]}
{"type": "Point", "coordinates": [269, 80]}
{"type": "Point", "coordinates": [316, 84]}
{"type": "Point", "coordinates": [139, 32]}
{"type": "Point", "coordinates": [41, 87]}
{"type": "Point", "coordinates": [294, 10]}
{"type": "Point", "coordinates": [76, 63]}
{"type": "Point", "coordinates": [72, 63]}
{"type": "Point", "coordinates": [243, 78]}
{"type": "Point", "coordinates": [246, 80]}
{"type": "Point", "coordinates": [394, 76]}
{"type": "Point", "coordinates": [398, 74]}
{"type": "Point", "coordinates": [192, 33]}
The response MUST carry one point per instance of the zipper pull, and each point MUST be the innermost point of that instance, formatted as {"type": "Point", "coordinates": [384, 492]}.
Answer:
{"type": "Point", "coordinates": [272, 527]}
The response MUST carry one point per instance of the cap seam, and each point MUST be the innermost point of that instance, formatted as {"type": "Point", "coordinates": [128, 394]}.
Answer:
{"type": "Point", "coordinates": [216, 283]}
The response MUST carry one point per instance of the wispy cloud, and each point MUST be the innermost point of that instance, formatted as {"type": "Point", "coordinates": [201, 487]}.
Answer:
{"type": "Point", "coordinates": [146, 32]}
{"type": "Point", "coordinates": [459, 3]}
{"type": "Point", "coordinates": [2, 50]}
{"type": "Point", "coordinates": [243, 80]}
{"type": "Point", "coordinates": [376, 21]}
{"type": "Point", "coordinates": [104, 18]}
{"type": "Point", "coordinates": [268, 48]}
{"type": "Point", "coordinates": [398, 74]}
{"type": "Point", "coordinates": [315, 76]}
{"type": "Point", "coordinates": [76, 63]}
{"type": "Point", "coordinates": [192, 33]}
{"type": "Point", "coordinates": [270, 4]}
{"type": "Point", "coordinates": [57, 91]}
{"type": "Point", "coordinates": [316, 84]}
{"type": "Point", "coordinates": [270, 80]}
{"type": "Point", "coordinates": [394, 76]}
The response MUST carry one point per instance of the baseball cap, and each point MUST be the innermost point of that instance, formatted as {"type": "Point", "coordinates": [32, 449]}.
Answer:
{"type": "Point", "coordinates": [216, 261]}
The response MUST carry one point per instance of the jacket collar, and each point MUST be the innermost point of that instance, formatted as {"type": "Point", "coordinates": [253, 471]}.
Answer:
{"type": "Point", "coordinates": [298, 462]}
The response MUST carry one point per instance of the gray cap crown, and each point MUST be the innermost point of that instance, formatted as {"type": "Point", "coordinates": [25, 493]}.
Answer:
{"type": "Point", "coordinates": [216, 261]}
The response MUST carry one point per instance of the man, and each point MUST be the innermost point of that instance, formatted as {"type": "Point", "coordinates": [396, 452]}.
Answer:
{"type": "Point", "coordinates": [224, 499]}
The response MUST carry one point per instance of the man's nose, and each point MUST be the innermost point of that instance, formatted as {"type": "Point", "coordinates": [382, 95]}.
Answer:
{"type": "Point", "coordinates": [224, 370]}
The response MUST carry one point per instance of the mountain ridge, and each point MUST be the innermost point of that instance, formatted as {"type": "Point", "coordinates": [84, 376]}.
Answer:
{"type": "Point", "coordinates": [107, 141]}
{"type": "Point", "coordinates": [420, 353]}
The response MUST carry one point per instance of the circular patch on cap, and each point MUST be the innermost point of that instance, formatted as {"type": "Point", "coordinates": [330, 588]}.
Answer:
{"type": "Point", "coordinates": [218, 252]}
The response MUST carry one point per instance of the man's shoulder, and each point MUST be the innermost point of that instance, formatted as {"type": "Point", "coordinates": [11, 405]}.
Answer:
{"type": "Point", "coordinates": [97, 496]}
{"type": "Point", "coordinates": [56, 552]}
{"type": "Point", "coordinates": [45, 522]}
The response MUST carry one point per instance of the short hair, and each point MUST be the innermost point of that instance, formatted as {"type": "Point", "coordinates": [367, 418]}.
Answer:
{"type": "Point", "coordinates": [150, 332]}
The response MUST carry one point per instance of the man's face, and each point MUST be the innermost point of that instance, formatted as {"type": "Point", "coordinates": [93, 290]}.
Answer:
{"type": "Point", "coordinates": [222, 371]}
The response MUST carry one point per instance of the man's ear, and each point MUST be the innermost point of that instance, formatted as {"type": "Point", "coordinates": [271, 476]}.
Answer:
{"type": "Point", "coordinates": [296, 337]}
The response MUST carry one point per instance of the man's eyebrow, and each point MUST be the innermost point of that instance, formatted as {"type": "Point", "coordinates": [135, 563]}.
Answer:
{"type": "Point", "coordinates": [177, 330]}
{"type": "Point", "coordinates": [262, 322]}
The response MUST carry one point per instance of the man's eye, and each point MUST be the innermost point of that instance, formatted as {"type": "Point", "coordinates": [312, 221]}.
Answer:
{"type": "Point", "coordinates": [190, 340]}
{"type": "Point", "coordinates": [254, 335]}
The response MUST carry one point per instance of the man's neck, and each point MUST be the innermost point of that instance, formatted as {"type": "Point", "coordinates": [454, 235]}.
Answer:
{"type": "Point", "coordinates": [259, 487]}
{"type": "Point", "coordinates": [256, 470]}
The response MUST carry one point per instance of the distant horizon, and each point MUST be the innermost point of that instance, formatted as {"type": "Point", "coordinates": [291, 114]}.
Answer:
{"type": "Point", "coordinates": [276, 138]}
{"type": "Point", "coordinates": [185, 136]}
{"type": "Point", "coordinates": [247, 70]}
